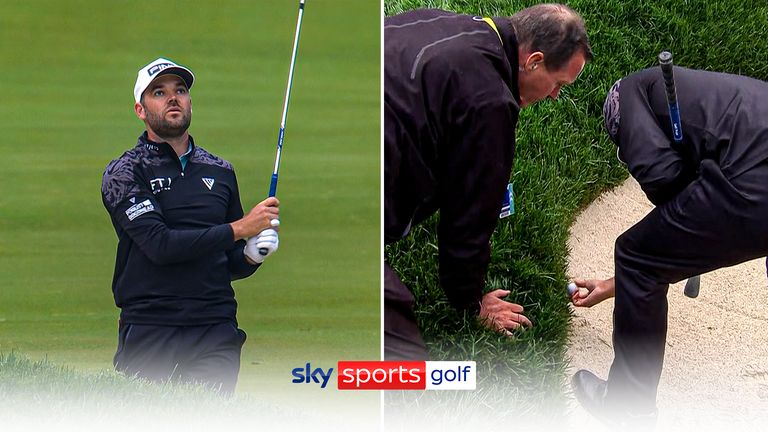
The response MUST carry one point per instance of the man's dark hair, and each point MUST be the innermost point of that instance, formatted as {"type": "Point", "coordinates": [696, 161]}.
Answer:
{"type": "Point", "coordinates": [554, 29]}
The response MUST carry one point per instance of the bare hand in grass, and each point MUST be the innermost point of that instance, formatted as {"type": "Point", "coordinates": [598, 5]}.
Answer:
{"type": "Point", "coordinates": [501, 315]}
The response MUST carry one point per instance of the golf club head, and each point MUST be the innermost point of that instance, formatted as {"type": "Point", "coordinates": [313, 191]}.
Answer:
{"type": "Point", "coordinates": [692, 286]}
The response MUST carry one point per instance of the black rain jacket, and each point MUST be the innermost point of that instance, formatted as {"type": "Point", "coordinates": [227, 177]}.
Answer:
{"type": "Point", "coordinates": [451, 105]}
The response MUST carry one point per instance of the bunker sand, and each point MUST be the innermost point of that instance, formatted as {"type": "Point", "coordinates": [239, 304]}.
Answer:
{"type": "Point", "coordinates": [716, 364]}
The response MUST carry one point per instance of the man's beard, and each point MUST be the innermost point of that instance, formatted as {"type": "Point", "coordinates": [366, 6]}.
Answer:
{"type": "Point", "coordinates": [169, 128]}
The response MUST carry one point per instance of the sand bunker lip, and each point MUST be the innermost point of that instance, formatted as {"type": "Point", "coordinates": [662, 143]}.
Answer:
{"type": "Point", "coordinates": [716, 364]}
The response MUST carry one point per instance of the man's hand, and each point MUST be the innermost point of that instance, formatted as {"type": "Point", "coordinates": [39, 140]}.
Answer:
{"type": "Point", "coordinates": [501, 315]}
{"type": "Point", "coordinates": [596, 291]}
{"type": "Point", "coordinates": [267, 240]}
{"type": "Point", "coordinates": [258, 219]}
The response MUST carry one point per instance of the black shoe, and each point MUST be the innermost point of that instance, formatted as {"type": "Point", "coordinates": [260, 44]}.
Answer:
{"type": "Point", "coordinates": [590, 391]}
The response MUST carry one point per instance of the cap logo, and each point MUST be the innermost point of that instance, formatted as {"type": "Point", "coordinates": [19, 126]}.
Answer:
{"type": "Point", "coordinates": [158, 67]}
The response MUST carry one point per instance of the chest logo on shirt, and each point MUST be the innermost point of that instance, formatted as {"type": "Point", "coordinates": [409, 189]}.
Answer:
{"type": "Point", "coordinates": [208, 181]}
{"type": "Point", "coordinates": [160, 184]}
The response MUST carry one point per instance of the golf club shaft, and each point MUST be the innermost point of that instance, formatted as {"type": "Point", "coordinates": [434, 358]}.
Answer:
{"type": "Point", "coordinates": [281, 134]}
{"type": "Point", "coordinates": [665, 61]}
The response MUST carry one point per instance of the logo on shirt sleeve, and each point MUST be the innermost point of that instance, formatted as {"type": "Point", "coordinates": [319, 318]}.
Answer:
{"type": "Point", "coordinates": [139, 209]}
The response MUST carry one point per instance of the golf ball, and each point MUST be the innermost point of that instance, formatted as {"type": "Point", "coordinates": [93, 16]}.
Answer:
{"type": "Point", "coordinates": [572, 288]}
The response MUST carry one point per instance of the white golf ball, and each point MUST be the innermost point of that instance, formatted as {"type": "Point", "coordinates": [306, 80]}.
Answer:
{"type": "Point", "coordinates": [572, 288]}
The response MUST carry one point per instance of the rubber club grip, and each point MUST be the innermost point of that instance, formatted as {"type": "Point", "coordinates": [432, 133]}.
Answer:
{"type": "Point", "coordinates": [665, 61]}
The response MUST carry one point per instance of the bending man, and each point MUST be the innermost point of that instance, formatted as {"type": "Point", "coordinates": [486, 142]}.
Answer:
{"type": "Point", "coordinates": [711, 211]}
{"type": "Point", "coordinates": [453, 88]}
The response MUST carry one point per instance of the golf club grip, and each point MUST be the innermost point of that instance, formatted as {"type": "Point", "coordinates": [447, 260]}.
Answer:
{"type": "Point", "coordinates": [273, 186]}
{"type": "Point", "coordinates": [263, 251]}
{"type": "Point", "coordinates": [692, 286]}
{"type": "Point", "coordinates": [665, 61]}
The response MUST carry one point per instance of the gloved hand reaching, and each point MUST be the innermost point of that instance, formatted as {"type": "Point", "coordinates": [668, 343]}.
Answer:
{"type": "Point", "coordinates": [266, 241]}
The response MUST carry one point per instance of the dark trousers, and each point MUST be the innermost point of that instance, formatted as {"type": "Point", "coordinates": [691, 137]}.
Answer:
{"type": "Point", "coordinates": [206, 354]}
{"type": "Point", "coordinates": [402, 339]}
{"type": "Point", "coordinates": [715, 222]}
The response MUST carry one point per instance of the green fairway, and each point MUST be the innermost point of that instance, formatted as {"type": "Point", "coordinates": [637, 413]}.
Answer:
{"type": "Point", "coordinates": [564, 159]}
{"type": "Point", "coordinates": [33, 392]}
{"type": "Point", "coordinates": [68, 70]}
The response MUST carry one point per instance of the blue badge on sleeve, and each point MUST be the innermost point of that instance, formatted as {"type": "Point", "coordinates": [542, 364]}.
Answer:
{"type": "Point", "coordinates": [508, 205]}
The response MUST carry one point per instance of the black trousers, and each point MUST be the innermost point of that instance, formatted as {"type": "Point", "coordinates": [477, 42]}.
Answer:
{"type": "Point", "coordinates": [206, 354]}
{"type": "Point", "coordinates": [402, 338]}
{"type": "Point", "coordinates": [715, 222]}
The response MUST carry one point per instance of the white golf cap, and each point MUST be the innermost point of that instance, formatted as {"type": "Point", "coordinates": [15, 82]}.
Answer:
{"type": "Point", "coordinates": [158, 68]}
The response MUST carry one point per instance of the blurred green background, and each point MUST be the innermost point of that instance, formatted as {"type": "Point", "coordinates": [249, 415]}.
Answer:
{"type": "Point", "coordinates": [67, 70]}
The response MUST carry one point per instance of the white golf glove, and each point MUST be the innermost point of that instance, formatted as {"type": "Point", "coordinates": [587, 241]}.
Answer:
{"type": "Point", "coordinates": [263, 245]}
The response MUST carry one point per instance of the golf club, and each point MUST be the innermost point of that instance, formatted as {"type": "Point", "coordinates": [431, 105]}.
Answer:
{"type": "Point", "coordinates": [281, 134]}
{"type": "Point", "coordinates": [665, 61]}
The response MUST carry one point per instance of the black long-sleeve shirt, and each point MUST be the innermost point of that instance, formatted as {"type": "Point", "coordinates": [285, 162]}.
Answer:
{"type": "Point", "coordinates": [451, 105]}
{"type": "Point", "coordinates": [723, 118]}
{"type": "Point", "coordinates": [176, 253]}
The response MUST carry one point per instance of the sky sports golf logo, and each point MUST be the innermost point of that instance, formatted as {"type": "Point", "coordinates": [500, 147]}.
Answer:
{"type": "Point", "coordinates": [407, 375]}
{"type": "Point", "coordinates": [308, 375]}
{"type": "Point", "coordinates": [393, 375]}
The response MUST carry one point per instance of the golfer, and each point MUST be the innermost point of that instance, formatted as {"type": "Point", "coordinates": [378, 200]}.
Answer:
{"type": "Point", "coordinates": [711, 211]}
{"type": "Point", "coordinates": [181, 240]}
{"type": "Point", "coordinates": [453, 88]}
